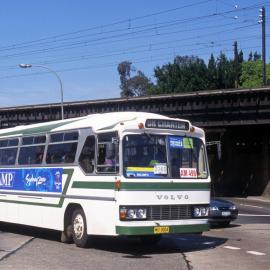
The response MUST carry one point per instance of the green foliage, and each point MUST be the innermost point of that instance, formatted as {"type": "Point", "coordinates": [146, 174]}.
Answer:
{"type": "Point", "coordinates": [212, 73]}
{"type": "Point", "coordinates": [252, 74]}
{"type": "Point", "coordinates": [225, 72]}
{"type": "Point", "coordinates": [132, 86]}
{"type": "Point", "coordinates": [190, 73]}
{"type": "Point", "coordinates": [185, 74]}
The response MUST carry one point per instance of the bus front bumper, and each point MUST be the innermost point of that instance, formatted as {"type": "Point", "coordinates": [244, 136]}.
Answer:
{"type": "Point", "coordinates": [161, 229]}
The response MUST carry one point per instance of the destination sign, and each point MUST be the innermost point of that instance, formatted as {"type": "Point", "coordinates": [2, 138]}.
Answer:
{"type": "Point", "coordinates": [167, 124]}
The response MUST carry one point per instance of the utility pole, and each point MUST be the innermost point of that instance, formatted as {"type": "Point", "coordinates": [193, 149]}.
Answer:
{"type": "Point", "coordinates": [262, 22]}
{"type": "Point", "coordinates": [236, 79]}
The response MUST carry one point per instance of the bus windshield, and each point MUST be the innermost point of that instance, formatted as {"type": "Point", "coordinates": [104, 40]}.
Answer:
{"type": "Point", "coordinates": [160, 156]}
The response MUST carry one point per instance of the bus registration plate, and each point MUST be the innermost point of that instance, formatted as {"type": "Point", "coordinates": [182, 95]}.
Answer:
{"type": "Point", "coordinates": [158, 230]}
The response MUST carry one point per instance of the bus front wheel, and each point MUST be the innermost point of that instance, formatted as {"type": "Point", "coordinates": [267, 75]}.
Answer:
{"type": "Point", "coordinates": [79, 228]}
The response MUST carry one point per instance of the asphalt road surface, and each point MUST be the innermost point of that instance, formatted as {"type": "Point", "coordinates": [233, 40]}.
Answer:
{"type": "Point", "coordinates": [243, 245]}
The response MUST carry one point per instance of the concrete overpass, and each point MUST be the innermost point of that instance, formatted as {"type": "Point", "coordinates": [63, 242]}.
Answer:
{"type": "Point", "coordinates": [237, 124]}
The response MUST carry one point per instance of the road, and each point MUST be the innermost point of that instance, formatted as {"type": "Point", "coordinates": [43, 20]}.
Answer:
{"type": "Point", "coordinates": [243, 245]}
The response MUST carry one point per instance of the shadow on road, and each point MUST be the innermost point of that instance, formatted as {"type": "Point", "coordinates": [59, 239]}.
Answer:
{"type": "Point", "coordinates": [133, 248]}
{"type": "Point", "coordinates": [219, 226]}
{"type": "Point", "coordinates": [129, 247]}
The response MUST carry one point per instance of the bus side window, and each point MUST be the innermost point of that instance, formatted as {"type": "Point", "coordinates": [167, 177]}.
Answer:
{"type": "Point", "coordinates": [108, 150]}
{"type": "Point", "coordinates": [61, 153]}
{"type": "Point", "coordinates": [8, 156]}
{"type": "Point", "coordinates": [87, 156]}
{"type": "Point", "coordinates": [31, 155]}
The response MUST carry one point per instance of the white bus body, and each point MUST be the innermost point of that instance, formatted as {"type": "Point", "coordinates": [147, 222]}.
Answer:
{"type": "Point", "coordinates": [122, 173]}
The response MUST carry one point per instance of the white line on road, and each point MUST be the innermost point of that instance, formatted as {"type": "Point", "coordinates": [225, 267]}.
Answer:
{"type": "Point", "coordinates": [253, 215]}
{"type": "Point", "coordinates": [249, 205]}
{"type": "Point", "coordinates": [230, 247]}
{"type": "Point", "coordinates": [255, 253]}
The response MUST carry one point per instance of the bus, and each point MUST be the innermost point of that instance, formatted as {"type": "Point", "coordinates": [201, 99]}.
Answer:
{"type": "Point", "coordinates": [115, 174]}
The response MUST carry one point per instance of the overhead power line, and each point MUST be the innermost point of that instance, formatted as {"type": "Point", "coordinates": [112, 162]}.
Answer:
{"type": "Point", "coordinates": [151, 27]}
{"type": "Point", "coordinates": [112, 24]}
{"type": "Point", "coordinates": [91, 42]}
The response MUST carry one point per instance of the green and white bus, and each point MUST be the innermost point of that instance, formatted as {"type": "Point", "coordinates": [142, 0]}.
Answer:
{"type": "Point", "coordinates": [121, 173]}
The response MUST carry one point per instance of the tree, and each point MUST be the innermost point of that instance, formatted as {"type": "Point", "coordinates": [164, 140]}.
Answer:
{"type": "Point", "coordinates": [212, 73]}
{"type": "Point", "coordinates": [257, 56]}
{"type": "Point", "coordinates": [186, 73]}
{"type": "Point", "coordinates": [254, 57]}
{"type": "Point", "coordinates": [225, 74]}
{"type": "Point", "coordinates": [252, 74]}
{"type": "Point", "coordinates": [139, 84]}
{"type": "Point", "coordinates": [250, 56]}
{"type": "Point", "coordinates": [237, 61]}
{"type": "Point", "coordinates": [124, 69]}
{"type": "Point", "coordinates": [132, 86]}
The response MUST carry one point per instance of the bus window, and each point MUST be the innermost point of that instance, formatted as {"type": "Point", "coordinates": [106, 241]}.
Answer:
{"type": "Point", "coordinates": [87, 155]}
{"type": "Point", "coordinates": [108, 156]}
{"type": "Point", "coordinates": [31, 155]}
{"type": "Point", "coordinates": [61, 153]}
{"type": "Point", "coordinates": [8, 151]}
{"type": "Point", "coordinates": [68, 136]}
{"type": "Point", "coordinates": [8, 156]}
{"type": "Point", "coordinates": [32, 150]}
{"type": "Point", "coordinates": [187, 155]}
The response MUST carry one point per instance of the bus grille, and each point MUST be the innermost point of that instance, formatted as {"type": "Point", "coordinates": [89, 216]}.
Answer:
{"type": "Point", "coordinates": [169, 212]}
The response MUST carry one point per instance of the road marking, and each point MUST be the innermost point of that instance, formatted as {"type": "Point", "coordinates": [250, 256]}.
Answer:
{"type": "Point", "coordinates": [253, 215]}
{"type": "Point", "coordinates": [255, 253]}
{"type": "Point", "coordinates": [249, 205]}
{"type": "Point", "coordinates": [233, 248]}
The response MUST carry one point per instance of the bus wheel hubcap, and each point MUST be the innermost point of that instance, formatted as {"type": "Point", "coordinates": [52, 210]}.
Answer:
{"type": "Point", "coordinates": [78, 226]}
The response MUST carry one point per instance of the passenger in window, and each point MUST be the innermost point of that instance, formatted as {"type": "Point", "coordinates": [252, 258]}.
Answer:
{"type": "Point", "coordinates": [39, 155]}
{"type": "Point", "coordinates": [68, 158]}
{"type": "Point", "coordinates": [110, 156]}
{"type": "Point", "coordinates": [87, 158]}
{"type": "Point", "coordinates": [87, 164]}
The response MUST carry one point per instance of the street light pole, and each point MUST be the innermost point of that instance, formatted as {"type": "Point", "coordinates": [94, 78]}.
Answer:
{"type": "Point", "coordinates": [58, 78]}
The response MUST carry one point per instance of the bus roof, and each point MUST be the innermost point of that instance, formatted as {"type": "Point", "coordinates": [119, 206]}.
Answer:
{"type": "Point", "coordinates": [97, 122]}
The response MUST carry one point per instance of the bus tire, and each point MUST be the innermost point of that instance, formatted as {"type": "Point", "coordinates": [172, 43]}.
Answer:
{"type": "Point", "coordinates": [79, 228]}
{"type": "Point", "coordinates": [66, 235]}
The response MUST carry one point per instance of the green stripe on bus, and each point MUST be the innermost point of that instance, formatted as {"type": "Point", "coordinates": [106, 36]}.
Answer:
{"type": "Point", "coordinates": [141, 186]}
{"type": "Point", "coordinates": [93, 185]}
{"type": "Point", "coordinates": [146, 230]}
{"type": "Point", "coordinates": [116, 123]}
{"type": "Point", "coordinates": [38, 129]}
{"type": "Point", "coordinates": [69, 172]}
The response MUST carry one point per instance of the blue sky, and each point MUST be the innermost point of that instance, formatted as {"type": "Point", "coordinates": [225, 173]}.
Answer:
{"type": "Point", "coordinates": [83, 41]}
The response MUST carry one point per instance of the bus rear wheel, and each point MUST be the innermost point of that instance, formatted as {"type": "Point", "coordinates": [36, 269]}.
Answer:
{"type": "Point", "coordinates": [79, 228]}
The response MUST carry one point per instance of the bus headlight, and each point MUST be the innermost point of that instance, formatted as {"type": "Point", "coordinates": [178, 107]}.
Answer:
{"type": "Point", "coordinates": [132, 213]}
{"type": "Point", "coordinates": [200, 211]}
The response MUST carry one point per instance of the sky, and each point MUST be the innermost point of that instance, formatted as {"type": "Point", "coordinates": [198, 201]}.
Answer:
{"type": "Point", "coordinates": [83, 41]}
